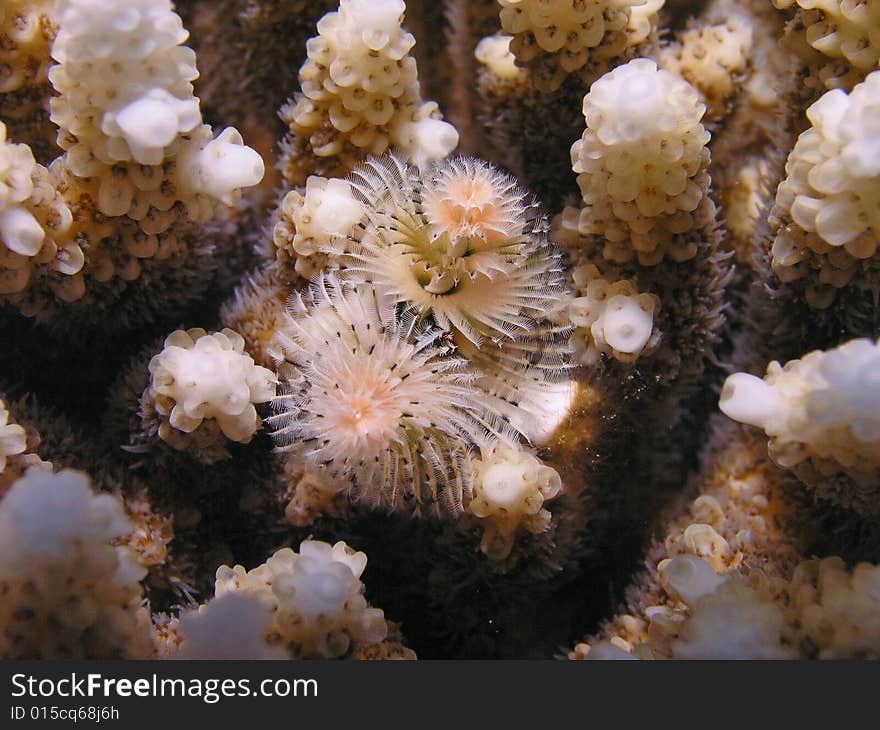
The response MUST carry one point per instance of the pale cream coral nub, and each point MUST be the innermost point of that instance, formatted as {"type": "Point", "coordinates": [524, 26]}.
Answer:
{"type": "Point", "coordinates": [315, 601]}
{"type": "Point", "coordinates": [361, 96]}
{"type": "Point", "coordinates": [59, 569]}
{"type": "Point", "coordinates": [17, 450]}
{"type": "Point", "coordinates": [494, 52]}
{"type": "Point", "coordinates": [13, 439]}
{"type": "Point", "coordinates": [824, 407]}
{"type": "Point", "coordinates": [611, 317]}
{"type": "Point", "coordinates": [641, 164]}
{"type": "Point", "coordinates": [828, 207]}
{"type": "Point", "coordinates": [313, 224]}
{"type": "Point", "coordinates": [34, 221]}
{"type": "Point", "coordinates": [509, 493]}
{"type": "Point", "coordinates": [202, 383]}
{"type": "Point", "coordinates": [555, 38]}
{"type": "Point", "coordinates": [138, 162]}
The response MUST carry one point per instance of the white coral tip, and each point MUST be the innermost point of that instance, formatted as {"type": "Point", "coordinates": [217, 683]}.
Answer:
{"type": "Point", "coordinates": [688, 577]}
{"type": "Point", "coordinates": [504, 484]}
{"type": "Point", "coordinates": [229, 627]}
{"type": "Point", "coordinates": [748, 399]}
{"type": "Point", "coordinates": [627, 327]}
{"type": "Point", "coordinates": [376, 17]}
{"type": "Point", "coordinates": [325, 591]}
{"type": "Point", "coordinates": [428, 140]}
{"type": "Point", "coordinates": [20, 231]}
{"type": "Point", "coordinates": [226, 165]}
{"type": "Point", "coordinates": [494, 53]}
{"type": "Point", "coordinates": [152, 122]}
{"type": "Point", "coordinates": [336, 209]}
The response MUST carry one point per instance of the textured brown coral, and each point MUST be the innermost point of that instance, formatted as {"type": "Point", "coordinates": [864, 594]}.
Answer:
{"type": "Point", "coordinates": [742, 519]}
{"type": "Point", "coordinates": [358, 100]}
{"type": "Point", "coordinates": [26, 31]}
{"type": "Point", "coordinates": [504, 579]}
{"type": "Point", "coordinates": [557, 38]}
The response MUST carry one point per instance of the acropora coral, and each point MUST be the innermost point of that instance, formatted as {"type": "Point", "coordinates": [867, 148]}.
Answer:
{"type": "Point", "coordinates": [463, 329]}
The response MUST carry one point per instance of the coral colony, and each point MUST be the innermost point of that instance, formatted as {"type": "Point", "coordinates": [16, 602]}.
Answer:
{"type": "Point", "coordinates": [587, 363]}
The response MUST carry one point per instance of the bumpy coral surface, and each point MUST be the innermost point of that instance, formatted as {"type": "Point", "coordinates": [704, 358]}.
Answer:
{"type": "Point", "coordinates": [315, 600]}
{"type": "Point", "coordinates": [829, 201]}
{"type": "Point", "coordinates": [822, 409]}
{"type": "Point", "coordinates": [836, 608]}
{"type": "Point", "coordinates": [611, 317]}
{"type": "Point", "coordinates": [554, 38]}
{"type": "Point", "coordinates": [360, 95]}
{"type": "Point", "coordinates": [713, 58]}
{"type": "Point", "coordinates": [204, 389]}
{"type": "Point", "coordinates": [312, 226]}
{"type": "Point", "coordinates": [126, 96]}
{"type": "Point", "coordinates": [33, 217]}
{"type": "Point", "coordinates": [26, 32]}
{"type": "Point", "coordinates": [139, 166]}
{"type": "Point", "coordinates": [510, 488]}
{"type": "Point", "coordinates": [840, 30]}
{"type": "Point", "coordinates": [642, 162]}
{"type": "Point", "coordinates": [729, 620]}
{"type": "Point", "coordinates": [460, 289]}
{"type": "Point", "coordinates": [58, 568]}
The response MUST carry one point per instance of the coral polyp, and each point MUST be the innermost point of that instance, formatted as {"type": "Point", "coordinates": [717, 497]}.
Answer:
{"type": "Point", "coordinates": [302, 605]}
{"type": "Point", "coordinates": [827, 205]}
{"type": "Point", "coordinates": [565, 312]}
{"type": "Point", "coordinates": [203, 390]}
